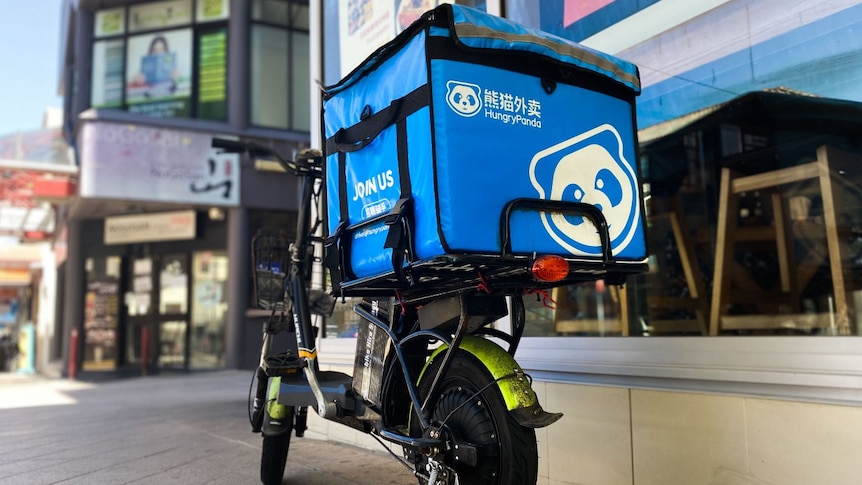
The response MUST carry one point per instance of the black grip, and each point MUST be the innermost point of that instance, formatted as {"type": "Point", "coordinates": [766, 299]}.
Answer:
{"type": "Point", "coordinates": [235, 146]}
{"type": "Point", "coordinates": [589, 211]}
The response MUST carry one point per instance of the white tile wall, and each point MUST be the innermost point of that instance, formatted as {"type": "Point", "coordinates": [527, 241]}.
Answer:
{"type": "Point", "coordinates": [797, 443]}
{"type": "Point", "coordinates": [591, 444]}
{"type": "Point", "coordinates": [681, 438]}
{"type": "Point", "coordinates": [620, 436]}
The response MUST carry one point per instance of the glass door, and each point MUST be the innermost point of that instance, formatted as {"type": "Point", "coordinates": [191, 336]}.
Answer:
{"type": "Point", "coordinates": [139, 300]}
{"type": "Point", "coordinates": [173, 316]}
{"type": "Point", "coordinates": [209, 310]}
{"type": "Point", "coordinates": [157, 306]}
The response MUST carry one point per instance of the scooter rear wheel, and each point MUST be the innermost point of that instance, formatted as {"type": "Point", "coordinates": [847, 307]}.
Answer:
{"type": "Point", "coordinates": [506, 451]}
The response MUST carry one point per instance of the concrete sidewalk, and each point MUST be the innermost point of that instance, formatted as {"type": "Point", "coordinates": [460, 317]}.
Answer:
{"type": "Point", "coordinates": [170, 429]}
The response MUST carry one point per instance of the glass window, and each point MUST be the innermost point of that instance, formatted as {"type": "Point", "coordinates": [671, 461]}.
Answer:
{"type": "Point", "coordinates": [299, 16]}
{"type": "Point", "coordinates": [163, 64]}
{"type": "Point", "coordinates": [212, 75]}
{"type": "Point", "coordinates": [269, 74]}
{"type": "Point", "coordinates": [279, 92]}
{"type": "Point", "coordinates": [299, 82]}
{"type": "Point", "coordinates": [271, 11]}
{"type": "Point", "coordinates": [108, 69]}
{"type": "Point", "coordinates": [750, 161]}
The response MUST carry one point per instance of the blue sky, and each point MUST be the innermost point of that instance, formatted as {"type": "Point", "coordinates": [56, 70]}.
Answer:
{"type": "Point", "coordinates": [30, 34]}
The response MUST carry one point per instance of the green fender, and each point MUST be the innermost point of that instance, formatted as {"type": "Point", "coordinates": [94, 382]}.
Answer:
{"type": "Point", "coordinates": [517, 392]}
{"type": "Point", "coordinates": [275, 410]}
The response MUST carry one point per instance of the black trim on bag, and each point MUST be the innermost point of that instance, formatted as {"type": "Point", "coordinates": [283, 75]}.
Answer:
{"type": "Point", "coordinates": [399, 218]}
{"type": "Point", "coordinates": [436, 181]}
{"type": "Point", "coordinates": [342, 185]}
{"type": "Point", "coordinates": [529, 63]}
{"type": "Point", "coordinates": [467, 30]}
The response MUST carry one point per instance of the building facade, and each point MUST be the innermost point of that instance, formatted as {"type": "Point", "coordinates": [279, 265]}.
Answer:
{"type": "Point", "coordinates": [158, 273]}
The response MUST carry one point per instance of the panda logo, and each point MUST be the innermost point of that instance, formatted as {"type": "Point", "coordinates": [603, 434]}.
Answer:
{"type": "Point", "coordinates": [464, 98]}
{"type": "Point", "coordinates": [588, 168]}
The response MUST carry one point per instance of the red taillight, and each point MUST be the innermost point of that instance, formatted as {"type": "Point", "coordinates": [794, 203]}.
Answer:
{"type": "Point", "coordinates": [550, 268]}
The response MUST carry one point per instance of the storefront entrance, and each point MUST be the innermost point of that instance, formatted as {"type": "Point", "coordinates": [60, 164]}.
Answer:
{"type": "Point", "coordinates": [153, 306]}
{"type": "Point", "coordinates": [157, 311]}
{"type": "Point", "coordinates": [176, 310]}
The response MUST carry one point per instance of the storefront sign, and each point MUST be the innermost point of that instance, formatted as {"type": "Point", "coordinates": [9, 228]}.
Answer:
{"type": "Point", "coordinates": [164, 226]}
{"type": "Point", "coordinates": [132, 162]}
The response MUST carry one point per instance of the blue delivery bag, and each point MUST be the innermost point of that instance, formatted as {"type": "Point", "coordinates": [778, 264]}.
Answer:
{"type": "Point", "coordinates": [457, 139]}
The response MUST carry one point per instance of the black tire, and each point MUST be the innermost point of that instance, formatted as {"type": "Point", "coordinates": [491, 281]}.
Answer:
{"type": "Point", "coordinates": [507, 451]}
{"type": "Point", "coordinates": [273, 457]}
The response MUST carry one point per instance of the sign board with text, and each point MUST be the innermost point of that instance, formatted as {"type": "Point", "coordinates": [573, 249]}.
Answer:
{"type": "Point", "coordinates": [138, 228]}
{"type": "Point", "coordinates": [134, 162]}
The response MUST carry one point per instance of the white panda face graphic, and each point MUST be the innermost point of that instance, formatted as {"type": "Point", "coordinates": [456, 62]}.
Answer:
{"type": "Point", "coordinates": [587, 169]}
{"type": "Point", "coordinates": [464, 98]}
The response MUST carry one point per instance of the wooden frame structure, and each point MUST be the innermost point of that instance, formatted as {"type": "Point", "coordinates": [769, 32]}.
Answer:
{"type": "Point", "coordinates": [830, 170]}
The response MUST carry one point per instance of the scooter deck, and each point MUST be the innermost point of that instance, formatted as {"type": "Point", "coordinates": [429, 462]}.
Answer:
{"type": "Point", "coordinates": [336, 386]}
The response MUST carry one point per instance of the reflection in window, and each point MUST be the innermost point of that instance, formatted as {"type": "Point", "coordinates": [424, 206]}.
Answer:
{"type": "Point", "coordinates": [766, 244]}
{"type": "Point", "coordinates": [585, 309]}
{"type": "Point", "coordinates": [172, 344]}
{"type": "Point", "coordinates": [344, 322]}
{"type": "Point", "coordinates": [173, 285]}
{"type": "Point", "coordinates": [751, 162]}
{"type": "Point", "coordinates": [209, 310]}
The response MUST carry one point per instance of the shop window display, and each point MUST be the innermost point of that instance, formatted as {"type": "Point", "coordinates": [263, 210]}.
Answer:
{"type": "Point", "coordinates": [101, 313]}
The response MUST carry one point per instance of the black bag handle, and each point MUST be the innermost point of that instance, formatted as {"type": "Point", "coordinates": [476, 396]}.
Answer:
{"type": "Point", "coordinates": [361, 134]}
